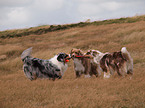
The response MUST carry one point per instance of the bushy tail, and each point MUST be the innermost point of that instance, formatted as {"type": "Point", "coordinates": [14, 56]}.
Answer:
{"type": "Point", "coordinates": [26, 53]}
{"type": "Point", "coordinates": [129, 59]}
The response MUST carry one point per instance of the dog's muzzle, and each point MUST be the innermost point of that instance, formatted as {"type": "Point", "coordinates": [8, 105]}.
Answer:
{"type": "Point", "coordinates": [67, 58]}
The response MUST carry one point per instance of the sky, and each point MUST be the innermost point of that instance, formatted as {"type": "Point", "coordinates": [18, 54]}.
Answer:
{"type": "Point", "coordinates": [17, 14]}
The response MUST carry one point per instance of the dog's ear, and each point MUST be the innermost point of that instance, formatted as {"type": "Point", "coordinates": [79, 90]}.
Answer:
{"type": "Point", "coordinates": [95, 53]}
{"type": "Point", "coordinates": [61, 57]}
{"type": "Point", "coordinates": [72, 50]}
{"type": "Point", "coordinates": [80, 52]}
{"type": "Point", "coordinates": [88, 52]}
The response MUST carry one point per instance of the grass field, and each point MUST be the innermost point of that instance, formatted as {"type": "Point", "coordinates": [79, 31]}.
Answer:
{"type": "Point", "coordinates": [16, 91]}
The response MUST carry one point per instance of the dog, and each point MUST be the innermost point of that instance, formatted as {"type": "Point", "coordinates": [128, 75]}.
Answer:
{"type": "Point", "coordinates": [83, 64]}
{"type": "Point", "coordinates": [38, 68]}
{"type": "Point", "coordinates": [120, 62]}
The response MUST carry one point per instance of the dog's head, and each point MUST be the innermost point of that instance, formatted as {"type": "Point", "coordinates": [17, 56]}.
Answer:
{"type": "Point", "coordinates": [97, 55]}
{"type": "Point", "coordinates": [76, 52]}
{"type": "Point", "coordinates": [63, 57]}
{"type": "Point", "coordinates": [93, 53]}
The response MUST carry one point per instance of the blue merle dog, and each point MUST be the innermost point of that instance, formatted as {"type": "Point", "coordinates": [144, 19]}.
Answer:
{"type": "Point", "coordinates": [38, 68]}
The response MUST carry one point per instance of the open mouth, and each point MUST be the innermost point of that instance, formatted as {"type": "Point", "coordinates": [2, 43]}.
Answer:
{"type": "Point", "coordinates": [67, 59]}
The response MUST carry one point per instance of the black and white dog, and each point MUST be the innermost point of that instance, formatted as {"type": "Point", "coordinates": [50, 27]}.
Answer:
{"type": "Point", "coordinates": [38, 68]}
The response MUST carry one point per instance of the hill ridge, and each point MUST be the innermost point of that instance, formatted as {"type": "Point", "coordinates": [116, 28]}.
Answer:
{"type": "Point", "coordinates": [50, 28]}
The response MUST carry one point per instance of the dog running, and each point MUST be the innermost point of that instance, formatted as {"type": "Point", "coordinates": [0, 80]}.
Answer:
{"type": "Point", "coordinates": [38, 68]}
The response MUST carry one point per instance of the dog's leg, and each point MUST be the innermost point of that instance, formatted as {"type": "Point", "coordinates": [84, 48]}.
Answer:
{"type": "Point", "coordinates": [124, 66]}
{"type": "Point", "coordinates": [99, 70]}
{"type": "Point", "coordinates": [129, 68]}
{"type": "Point", "coordinates": [106, 70]}
{"type": "Point", "coordinates": [107, 73]}
{"type": "Point", "coordinates": [112, 69]}
{"type": "Point", "coordinates": [29, 73]}
{"type": "Point", "coordinates": [78, 74]}
{"type": "Point", "coordinates": [123, 69]}
{"type": "Point", "coordinates": [53, 79]}
{"type": "Point", "coordinates": [130, 71]}
{"type": "Point", "coordinates": [34, 76]}
{"type": "Point", "coordinates": [87, 71]}
{"type": "Point", "coordinates": [95, 72]}
{"type": "Point", "coordinates": [87, 76]}
{"type": "Point", "coordinates": [120, 70]}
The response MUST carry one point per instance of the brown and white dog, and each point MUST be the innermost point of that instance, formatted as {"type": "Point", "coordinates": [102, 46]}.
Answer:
{"type": "Point", "coordinates": [120, 62]}
{"type": "Point", "coordinates": [83, 64]}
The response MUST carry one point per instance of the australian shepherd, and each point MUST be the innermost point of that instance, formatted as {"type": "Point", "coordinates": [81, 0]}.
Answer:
{"type": "Point", "coordinates": [38, 68]}
{"type": "Point", "coordinates": [120, 62]}
{"type": "Point", "coordinates": [83, 64]}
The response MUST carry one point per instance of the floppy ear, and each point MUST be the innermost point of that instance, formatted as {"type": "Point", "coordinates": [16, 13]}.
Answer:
{"type": "Point", "coordinates": [88, 52]}
{"type": "Point", "coordinates": [60, 57]}
{"type": "Point", "coordinates": [95, 53]}
{"type": "Point", "coordinates": [71, 51]}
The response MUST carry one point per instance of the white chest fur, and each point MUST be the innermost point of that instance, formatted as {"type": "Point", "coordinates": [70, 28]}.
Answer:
{"type": "Point", "coordinates": [78, 65]}
{"type": "Point", "coordinates": [63, 67]}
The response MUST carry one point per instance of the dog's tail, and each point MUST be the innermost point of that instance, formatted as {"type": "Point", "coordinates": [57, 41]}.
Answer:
{"type": "Point", "coordinates": [26, 53]}
{"type": "Point", "coordinates": [129, 59]}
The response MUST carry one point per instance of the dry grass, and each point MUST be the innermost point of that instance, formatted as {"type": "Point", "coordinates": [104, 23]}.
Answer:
{"type": "Point", "coordinates": [16, 91]}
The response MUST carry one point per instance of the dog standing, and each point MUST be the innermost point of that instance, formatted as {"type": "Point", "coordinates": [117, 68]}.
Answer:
{"type": "Point", "coordinates": [120, 62]}
{"type": "Point", "coordinates": [83, 64]}
{"type": "Point", "coordinates": [38, 68]}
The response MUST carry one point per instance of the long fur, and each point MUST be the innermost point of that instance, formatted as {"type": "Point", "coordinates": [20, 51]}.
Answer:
{"type": "Point", "coordinates": [38, 68]}
{"type": "Point", "coordinates": [84, 64]}
{"type": "Point", "coordinates": [26, 53]}
{"type": "Point", "coordinates": [120, 62]}
{"type": "Point", "coordinates": [60, 65]}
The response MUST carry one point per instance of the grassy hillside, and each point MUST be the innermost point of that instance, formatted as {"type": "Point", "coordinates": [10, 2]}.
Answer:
{"type": "Point", "coordinates": [50, 28]}
{"type": "Point", "coordinates": [16, 91]}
